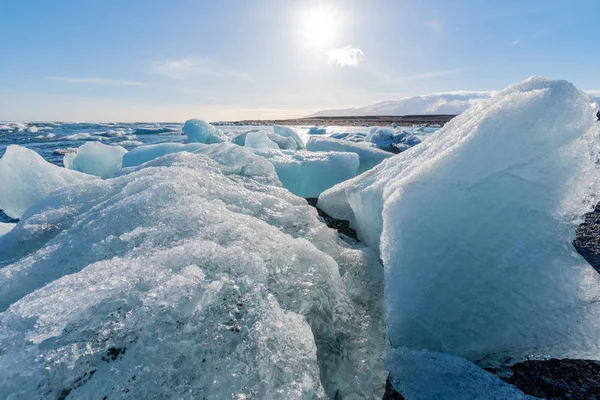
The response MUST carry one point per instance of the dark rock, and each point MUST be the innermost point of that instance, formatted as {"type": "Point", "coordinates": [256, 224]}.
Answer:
{"type": "Point", "coordinates": [338, 224]}
{"type": "Point", "coordinates": [554, 379]}
{"type": "Point", "coordinates": [390, 392]}
{"type": "Point", "coordinates": [587, 238]}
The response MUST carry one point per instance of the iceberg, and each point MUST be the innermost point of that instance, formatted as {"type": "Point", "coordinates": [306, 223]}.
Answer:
{"type": "Point", "coordinates": [284, 142]}
{"type": "Point", "coordinates": [25, 178]}
{"type": "Point", "coordinates": [259, 140]}
{"type": "Point", "coordinates": [97, 159]}
{"type": "Point", "coordinates": [186, 277]}
{"type": "Point", "coordinates": [474, 227]}
{"type": "Point", "coordinates": [369, 156]}
{"type": "Point", "coordinates": [307, 174]}
{"type": "Point", "coordinates": [289, 132]}
{"type": "Point", "coordinates": [143, 154]}
{"type": "Point", "coordinates": [198, 131]}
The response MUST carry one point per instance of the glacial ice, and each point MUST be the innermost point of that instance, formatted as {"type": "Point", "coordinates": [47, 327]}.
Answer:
{"type": "Point", "coordinates": [284, 142]}
{"type": "Point", "coordinates": [384, 137]}
{"type": "Point", "coordinates": [259, 140]}
{"type": "Point", "coordinates": [307, 174]}
{"type": "Point", "coordinates": [474, 227]}
{"type": "Point", "coordinates": [25, 178]}
{"type": "Point", "coordinates": [187, 277]}
{"type": "Point", "coordinates": [198, 131]}
{"type": "Point", "coordinates": [95, 158]}
{"type": "Point", "coordinates": [423, 375]}
{"type": "Point", "coordinates": [6, 227]}
{"type": "Point", "coordinates": [289, 132]}
{"type": "Point", "coordinates": [369, 156]}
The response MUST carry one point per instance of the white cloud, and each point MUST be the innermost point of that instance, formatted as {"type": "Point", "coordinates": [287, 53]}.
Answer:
{"type": "Point", "coordinates": [96, 81]}
{"type": "Point", "coordinates": [345, 56]}
{"type": "Point", "coordinates": [595, 93]}
{"type": "Point", "coordinates": [189, 68]}
{"type": "Point", "coordinates": [515, 42]}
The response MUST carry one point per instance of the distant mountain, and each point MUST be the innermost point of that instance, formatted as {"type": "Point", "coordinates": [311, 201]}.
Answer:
{"type": "Point", "coordinates": [435, 103]}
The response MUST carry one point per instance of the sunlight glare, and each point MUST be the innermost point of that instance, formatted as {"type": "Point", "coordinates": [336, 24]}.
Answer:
{"type": "Point", "coordinates": [319, 26]}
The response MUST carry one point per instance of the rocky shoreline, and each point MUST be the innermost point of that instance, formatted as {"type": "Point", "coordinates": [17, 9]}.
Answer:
{"type": "Point", "coordinates": [545, 379]}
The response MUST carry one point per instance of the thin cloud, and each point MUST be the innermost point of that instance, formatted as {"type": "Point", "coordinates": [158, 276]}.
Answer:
{"type": "Point", "coordinates": [96, 81]}
{"type": "Point", "coordinates": [190, 68]}
{"type": "Point", "coordinates": [345, 56]}
{"type": "Point", "coordinates": [594, 92]}
{"type": "Point", "coordinates": [515, 42]}
{"type": "Point", "coordinates": [436, 26]}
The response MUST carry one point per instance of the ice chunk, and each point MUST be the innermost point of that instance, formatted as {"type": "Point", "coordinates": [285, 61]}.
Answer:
{"type": "Point", "coordinates": [315, 130]}
{"type": "Point", "coordinates": [368, 155]}
{"type": "Point", "coordinates": [475, 225]}
{"type": "Point", "coordinates": [5, 227]}
{"type": "Point", "coordinates": [143, 154]}
{"type": "Point", "coordinates": [202, 132]}
{"type": "Point", "coordinates": [240, 139]}
{"type": "Point", "coordinates": [259, 140]}
{"type": "Point", "coordinates": [284, 143]}
{"type": "Point", "coordinates": [96, 159]}
{"type": "Point", "coordinates": [423, 375]}
{"type": "Point", "coordinates": [307, 174]}
{"type": "Point", "coordinates": [25, 178]}
{"type": "Point", "coordinates": [289, 132]}
{"type": "Point", "coordinates": [184, 278]}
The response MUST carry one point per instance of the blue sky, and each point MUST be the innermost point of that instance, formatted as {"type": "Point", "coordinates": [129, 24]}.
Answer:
{"type": "Point", "coordinates": [173, 60]}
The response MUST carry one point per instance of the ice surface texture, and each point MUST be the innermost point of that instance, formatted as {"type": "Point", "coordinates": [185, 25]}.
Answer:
{"type": "Point", "coordinates": [260, 140]}
{"type": "Point", "coordinates": [475, 224]}
{"type": "Point", "coordinates": [25, 178]}
{"type": "Point", "coordinates": [307, 174]}
{"type": "Point", "coordinates": [96, 159]}
{"type": "Point", "coordinates": [289, 132]}
{"type": "Point", "coordinates": [202, 132]}
{"type": "Point", "coordinates": [368, 156]}
{"type": "Point", "coordinates": [193, 275]}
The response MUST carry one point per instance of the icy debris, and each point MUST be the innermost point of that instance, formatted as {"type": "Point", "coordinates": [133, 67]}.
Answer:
{"type": "Point", "coordinates": [423, 375]}
{"type": "Point", "coordinates": [96, 159]}
{"type": "Point", "coordinates": [368, 155]}
{"type": "Point", "coordinates": [307, 174]}
{"type": "Point", "coordinates": [25, 178]}
{"type": "Point", "coordinates": [246, 292]}
{"type": "Point", "coordinates": [289, 132]}
{"type": "Point", "coordinates": [199, 131]}
{"type": "Point", "coordinates": [259, 140]}
{"type": "Point", "coordinates": [385, 137]}
{"type": "Point", "coordinates": [315, 130]}
{"type": "Point", "coordinates": [475, 225]}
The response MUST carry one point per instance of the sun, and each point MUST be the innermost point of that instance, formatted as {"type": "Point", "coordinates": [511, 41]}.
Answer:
{"type": "Point", "coordinates": [319, 25]}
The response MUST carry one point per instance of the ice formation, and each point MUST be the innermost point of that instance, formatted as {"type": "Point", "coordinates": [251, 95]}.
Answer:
{"type": "Point", "coordinates": [284, 142]}
{"type": "Point", "coordinates": [289, 132]}
{"type": "Point", "coordinates": [187, 277]}
{"type": "Point", "coordinates": [368, 155]}
{"type": "Point", "coordinates": [259, 140]}
{"type": "Point", "coordinates": [25, 178]}
{"type": "Point", "coordinates": [384, 137]}
{"type": "Point", "coordinates": [199, 131]}
{"type": "Point", "coordinates": [315, 130]}
{"type": "Point", "coordinates": [307, 174]}
{"type": "Point", "coordinates": [96, 159]}
{"type": "Point", "coordinates": [475, 224]}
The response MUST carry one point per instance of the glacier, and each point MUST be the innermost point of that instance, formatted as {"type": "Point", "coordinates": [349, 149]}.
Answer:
{"type": "Point", "coordinates": [193, 274]}
{"type": "Point", "coordinates": [95, 158]}
{"type": "Point", "coordinates": [259, 140]}
{"type": "Point", "coordinates": [369, 156]}
{"type": "Point", "coordinates": [475, 224]}
{"type": "Point", "coordinates": [26, 178]}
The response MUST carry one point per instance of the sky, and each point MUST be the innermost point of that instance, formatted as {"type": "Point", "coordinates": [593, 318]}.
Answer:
{"type": "Point", "coordinates": [155, 60]}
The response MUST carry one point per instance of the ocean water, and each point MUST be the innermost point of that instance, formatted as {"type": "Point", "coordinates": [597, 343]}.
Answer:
{"type": "Point", "coordinates": [50, 139]}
